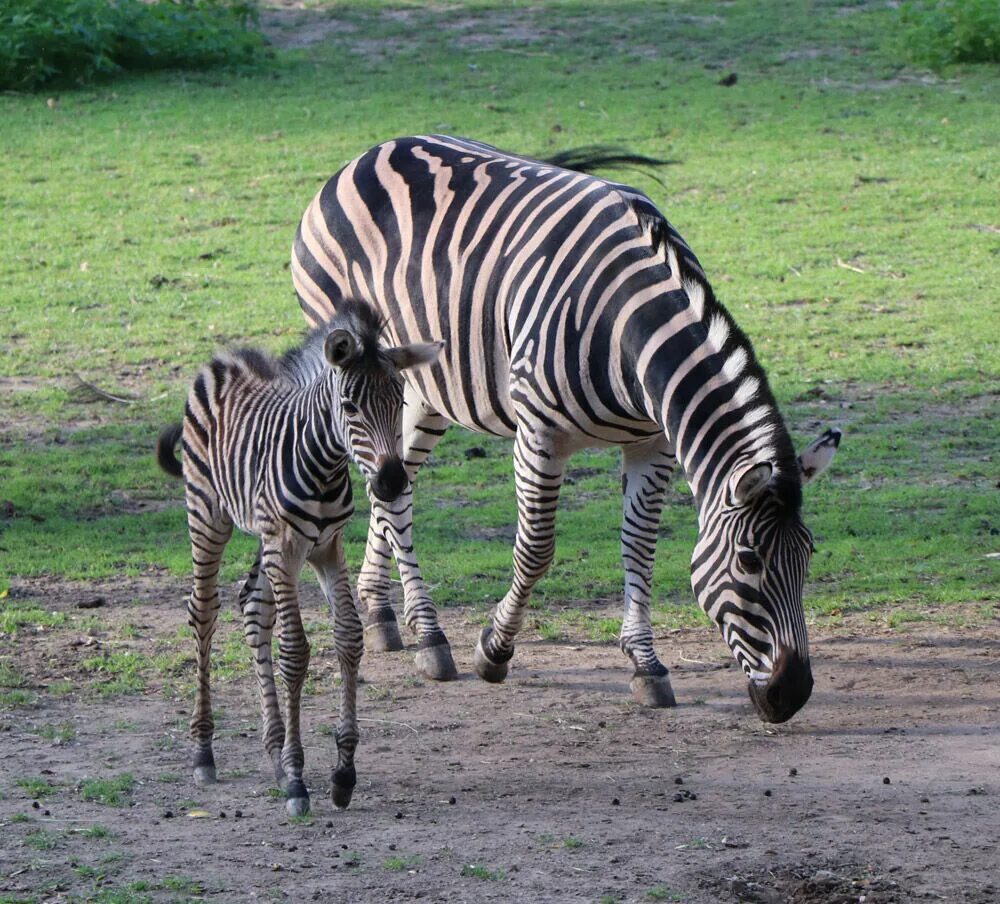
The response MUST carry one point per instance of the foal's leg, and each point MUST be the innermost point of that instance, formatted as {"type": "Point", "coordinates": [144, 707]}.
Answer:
{"type": "Point", "coordinates": [646, 471]}
{"type": "Point", "coordinates": [210, 531]}
{"type": "Point", "coordinates": [281, 562]}
{"type": "Point", "coordinates": [332, 572]}
{"type": "Point", "coordinates": [257, 604]}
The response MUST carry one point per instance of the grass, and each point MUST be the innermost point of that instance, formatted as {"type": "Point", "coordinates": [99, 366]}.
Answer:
{"type": "Point", "coordinates": [843, 206]}
{"type": "Point", "coordinates": [36, 787]}
{"type": "Point", "coordinates": [112, 792]}
{"type": "Point", "coordinates": [474, 871]}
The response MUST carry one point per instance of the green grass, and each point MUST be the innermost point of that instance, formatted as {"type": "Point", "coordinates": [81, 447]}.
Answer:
{"type": "Point", "coordinates": [843, 206]}
{"type": "Point", "coordinates": [112, 792]}
{"type": "Point", "coordinates": [474, 871]}
{"type": "Point", "coordinates": [36, 787]}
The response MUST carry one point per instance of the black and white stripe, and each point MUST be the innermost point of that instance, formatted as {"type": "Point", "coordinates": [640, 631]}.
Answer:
{"type": "Point", "coordinates": [575, 316]}
{"type": "Point", "coordinates": [266, 444]}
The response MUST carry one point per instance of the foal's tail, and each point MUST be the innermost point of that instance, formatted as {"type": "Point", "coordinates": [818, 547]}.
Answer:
{"type": "Point", "coordinates": [165, 446]}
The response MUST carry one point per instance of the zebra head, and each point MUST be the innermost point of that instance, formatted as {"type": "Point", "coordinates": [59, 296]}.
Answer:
{"type": "Point", "coordinates": [748, 571]}
{"type": "Point", "coordinates": [370, 392]}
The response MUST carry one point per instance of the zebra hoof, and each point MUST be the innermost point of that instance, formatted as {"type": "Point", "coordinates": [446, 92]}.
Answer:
{"type": "Point", "coordinates": [435, 661]}
{"type": "Point", "coordinates": [297, 806]}
{"type": "Point", "coordinates": [343, 787]}
{"type": "Point", "coordinates": [204, 775]}
{"type": "Point", "coordinates": [486, 668]}
{"type": "Point", "coordinates": [652, 691]}
{"type": "Point", "coordinates": [383, 637]}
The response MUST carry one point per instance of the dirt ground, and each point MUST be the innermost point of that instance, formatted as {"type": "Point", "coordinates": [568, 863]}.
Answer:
{"type": "Point", "coordinates": [551, 787]}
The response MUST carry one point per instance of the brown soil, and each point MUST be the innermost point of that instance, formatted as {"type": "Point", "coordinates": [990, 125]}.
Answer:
{"type": "Point", "coordinates": [551, 787]}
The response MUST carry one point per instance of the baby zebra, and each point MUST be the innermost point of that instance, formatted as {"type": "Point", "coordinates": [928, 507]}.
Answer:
{"type": "Point", "coordinates": [265, 447]}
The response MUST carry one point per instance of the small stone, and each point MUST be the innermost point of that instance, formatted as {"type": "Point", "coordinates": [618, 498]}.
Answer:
{"type": "Point", "coordinates": [678, 797]}
{"type": "Point", "coordinates": [46, 813]}
{"type": "Point", "coordinates": [238, 814]}
{"type": "Point", "coordinates": [475, 452]}
{"type": "Point", "coordinates": [329, 824]}
{"type": "Point", "coordinates": [168, 814]}
{"type": "Point", "coordinates": [678, 781]}
{"type": "Point", "coordinates": [692, 796]}
{"type": "Point", "coordinates": [452, 800]}
{"type": "Point", "coordinates": [793, 771]}
{"type": "Point", "coordinates": [615, 802]}
{"type": "Point", "coordinates": [925, 800]}
{"type": "Point", "coordinates": [887, 781]}
{"type": "Point", "coordinates": [222, 815]}
{"type": "Point", "coordinates": [399, 814]}
{"type": "Point", "coordinates": [767, 793]}
{"type": "Point", "coordinates": [35, 805]}
{"type": "Point", "coordinates": [392, 847]}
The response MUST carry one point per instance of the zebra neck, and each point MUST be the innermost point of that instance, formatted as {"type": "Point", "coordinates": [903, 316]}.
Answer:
{"type": "Point", "coordinates": [321, 425]}
{"type": "Point", "coordinates": [701, 382]}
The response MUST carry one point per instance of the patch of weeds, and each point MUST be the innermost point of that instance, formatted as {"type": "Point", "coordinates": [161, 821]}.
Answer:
{"type": "Point", "coordinates": [85, 871]}
{"type": "Point", "coordinates": [12, 686]}
{"type": "Point", "coordinates": [20, 817]}
{"type": "Point", "coordinates": [183, 884]}
{"type": "Point", "coordinates": [573, 843]}
{"type": "Point", "coordinates": [125, 725]}
{"type": "Point", "coordinates": [662, 893]}
{"type": "Point", "coordinates": [36, 787]}
{"type": "Point", "coordinates": [96, 831]}
{"type": "Point", "coordinates": [609, 899]}
{"type": "Point", "coordinates": [374, 692]}
{"type": "Point", "coordinates": [16, 697]}
{"type": "Point", "coordinates": [130, 631]}
{"type": "Point", "coordinates": [61, 732]}
{"type": "Point", "coordinates": [398, 864]}
{"type": "Point", "coordinates": [326, 729]}
{"type": "Point", "coordinates": [123, 672]}
{"type": "Point", "coordinates": [304, 820]}
{"type": "Point", "coordinates": [128, 895]}
{"type": "Point", "coordinates": [16, 615]}
{"type": "Point", "coordinates": [353, 858]}
{"type": "Point", "coordinates": [549, 630]}
{"type": "Point", "coordinates": [112, 792]}
{"type": "Point", "coordinates": [274, 792]}
{"type": "Point", "coordinates": [472, 870]}
{"type": "Point", "coordinates": [59, 688]}
{"type": "Point", "coordinates": [604, 629]}
{"type": "Point", "coordinates": [41, 839]}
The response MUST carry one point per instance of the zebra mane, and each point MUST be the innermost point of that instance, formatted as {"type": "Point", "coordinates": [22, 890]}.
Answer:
{"type": "Point", "coordinates": [786, 484]}
{"type": "Point", "coordinates": [306, 361]}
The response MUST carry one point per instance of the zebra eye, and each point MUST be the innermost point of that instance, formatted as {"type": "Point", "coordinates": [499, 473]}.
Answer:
{"type": "Point", "coordinates": [749, 561]}
{"type": "Point", "coordinates": [350, 409]}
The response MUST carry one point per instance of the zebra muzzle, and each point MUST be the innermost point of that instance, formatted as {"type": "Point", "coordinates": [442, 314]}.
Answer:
{"type": "Point", "coordinates": [390, 480]}
{"type": "Point", "coordinates": [787, 691]}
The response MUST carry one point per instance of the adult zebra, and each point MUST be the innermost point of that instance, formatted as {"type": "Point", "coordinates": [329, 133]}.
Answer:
{"type": "Point", "coordinates": [575, 316]}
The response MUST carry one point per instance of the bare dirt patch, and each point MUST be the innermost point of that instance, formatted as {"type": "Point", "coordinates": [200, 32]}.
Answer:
{"type": "Point", "coordinates": [553, 786]}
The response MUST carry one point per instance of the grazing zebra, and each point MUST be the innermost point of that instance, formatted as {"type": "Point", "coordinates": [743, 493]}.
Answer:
{"type": "Point", "coordinates": [575, 316]}
{"type": "Point", "coordinates": [265, 446]}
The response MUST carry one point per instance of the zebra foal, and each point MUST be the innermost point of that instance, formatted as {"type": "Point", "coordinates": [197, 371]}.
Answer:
{"type": "Point", "coordinates": [265, 448]}
{"type": "Point", "coordinates": [575, 316]}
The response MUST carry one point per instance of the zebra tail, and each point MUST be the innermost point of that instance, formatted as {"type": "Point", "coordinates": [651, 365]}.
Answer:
{"type": "Point", "coordinates": [165, 446]}
{"type": "Point", "coordinates": [589, 158]}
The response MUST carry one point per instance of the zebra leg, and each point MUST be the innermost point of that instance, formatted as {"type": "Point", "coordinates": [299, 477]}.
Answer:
{"type": "Point", "coordinates": [259, 611]}
{"type": "Point", "coordinates": [390, 533]}
{"type": "Point", "coordinates": [538, 477]}
{"type": "Point", "coordinates": [646, 471]}
{"type": "Point", "coordinates": [331, 568]}
{"type": "Point", "coordinates": [281, 563]}
{"type": "Point", "coordinates": [209, 535]}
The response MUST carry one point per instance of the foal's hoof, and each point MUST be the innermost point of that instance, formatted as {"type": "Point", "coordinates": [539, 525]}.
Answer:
{"type": "Point", "coordinates": [653, 691]}
{"type": "Point", "coordinates": [486, 668]}
{"type": "Point", "coordinates": [382, 633]}
{"type": "Point", "coordinates": [204, 775]}
{"type": "Point", "coordinates": [434, 659]}
{"type": "Point", "coordinates": [342, 789]}
{"type": "Point", "coordinates": [298, 798]}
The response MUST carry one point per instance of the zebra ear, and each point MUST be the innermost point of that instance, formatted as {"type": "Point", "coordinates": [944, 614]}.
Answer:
{"type": "Point", "coordinates": [747, 485]}
{"type": "Point", "coordinates": [404, 357]}
{"type": "Point", "coordinates": [341, 346]}
{"type": "Point", "coordinates": [816, 457]}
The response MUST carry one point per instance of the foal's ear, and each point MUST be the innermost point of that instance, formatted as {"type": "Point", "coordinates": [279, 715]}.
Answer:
{"type": "Point", "coordinates": [816, 457]}
{"type": "Point", "coordinates": [748, 484]}
{"type": "Point", "coordinates": [404, 357]}
{"type": "Point", "coordinates": [341, 347]}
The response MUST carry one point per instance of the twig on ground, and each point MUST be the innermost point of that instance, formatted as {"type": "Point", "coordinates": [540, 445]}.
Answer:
{"type": "Point", "coordinates": [88, 392]}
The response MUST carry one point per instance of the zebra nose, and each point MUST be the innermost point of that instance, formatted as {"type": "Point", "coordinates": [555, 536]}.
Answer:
{"type": "Point", "coordinates": [788, 690]}
{"type": "Point", "coordinates": [390, 480]}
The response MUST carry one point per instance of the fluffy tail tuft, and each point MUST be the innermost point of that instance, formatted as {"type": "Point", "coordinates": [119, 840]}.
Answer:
{"type": "Point", "coordinates": [165, 446]}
